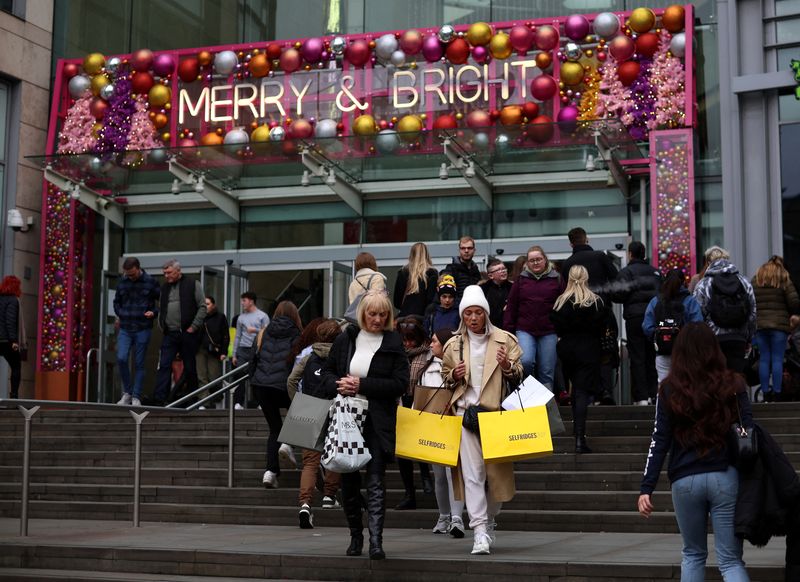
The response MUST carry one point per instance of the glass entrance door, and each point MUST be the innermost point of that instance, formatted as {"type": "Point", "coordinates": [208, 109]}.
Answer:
{"type": "Point", "coordinates": [340, 277]}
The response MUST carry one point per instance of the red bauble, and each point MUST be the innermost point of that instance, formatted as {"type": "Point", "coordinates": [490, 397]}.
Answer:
{"type": "Point", "coordinates": [301, 129]}
{"type": "Point", "coordinates": [530, 110]}
{"type": "Point", "coordinates": [187, 143]}
{"type": "Point", "coordinates": [544, 87]}
{"type": "Point", "coordinates": [647, 44]}
{"type": "Point", "coordinates": [98, 108]}
{"type": "Point", "coordinates": [142, 83]}
{"type": "Point", "coordinates": [188, 70]}
{"type": "Point", "coordinates": [447, 121]}
{"type": "Point", "coordinates": [141, 60]}
{"type": "Point", "coordinates": [458, 51]}
{"type": "Point", "coordinates": [627, 72]}
{"type": "Point", "coordinates": [291, 60]}
{"type": "Point", "coordinates": [70, 70]}
{"type": "Point", "coordinates": [274, 50]}
{"type": "Point", "coordinates": [358, 53]}
{"type": "Point", "coordinates": [541, 129]}
{"type": "Point", "coordinates": [521, 38]}
{"type": "Point", "coordinates": [478, 119]}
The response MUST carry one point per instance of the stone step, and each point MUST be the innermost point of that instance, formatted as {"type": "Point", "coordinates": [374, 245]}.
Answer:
{"type": "Point", "coordinates": [49, 575]}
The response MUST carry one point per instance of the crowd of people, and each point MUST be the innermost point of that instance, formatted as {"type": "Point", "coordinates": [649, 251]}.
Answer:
{"type": "Point", "coordinates": [477, 334]}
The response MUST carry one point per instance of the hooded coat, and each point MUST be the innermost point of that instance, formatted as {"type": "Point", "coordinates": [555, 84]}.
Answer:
{"type": "Point", "coordinates": [271, 364]}
{"type": "Point", "coordinates": [703, 295]}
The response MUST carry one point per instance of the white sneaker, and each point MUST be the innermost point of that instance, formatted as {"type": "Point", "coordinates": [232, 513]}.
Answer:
{"type": "Point", "coordinates": [135, 402]}
{"type": "Point", "coordinates": [270, 480]}
{"type": "Point", "coordinates": [442, 525]}
{"type": "Point", "coordinates": [330, 503]}
{"type": "Point", "coordinates": [306, 517]}
{"type": "Point", "coordinates": [201, 408]}
{"type": "Point", "coordinates": [641, 403]}
{"type": "Point", "coordinates": [490, 531]}
{"type": "Point", "coordinates": [456, 527]}
{"type": "Point", "coordinates": [482, 544]}
{"type": "Point", "coordinates": [125, 400]}
{"type": "Point", "coordinates": [286, 453]}
{"type": "Point", "coordinates": [238, 406]}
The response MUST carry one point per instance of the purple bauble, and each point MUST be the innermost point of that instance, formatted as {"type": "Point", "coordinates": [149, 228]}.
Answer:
{"type": "Point", "coordinates": [577, 27]}
{"type": "Point", "coordinates": [432, 49]}
{"type": "Point", "coordinates": [479, 54]}
{"type": "Point", "coordinates": [163, 65]}
{"type": "Point", "coordinates": [568, 118]}
{"type": "Point", "coordinates": [312, 50]}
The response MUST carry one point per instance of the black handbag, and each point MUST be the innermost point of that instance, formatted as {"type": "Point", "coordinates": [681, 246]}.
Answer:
{"type": "Point", "coordinates": [470, 419]}
{"type": "Point", "coordinates": [746, 445]}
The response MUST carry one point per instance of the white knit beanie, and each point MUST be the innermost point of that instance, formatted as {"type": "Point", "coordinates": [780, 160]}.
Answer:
{"type": "Point", "coordinates": [473, 297]}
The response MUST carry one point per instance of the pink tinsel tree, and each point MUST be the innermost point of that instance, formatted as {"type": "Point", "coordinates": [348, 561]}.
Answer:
{"type": "Point", "coordinates": [614, 98]}
{"type": "Point", "coordinates": [77, 136]}
{"type": "Point", "coordinates": [142, 135]}
{"type": "Point", "coordinates": [667, 75]}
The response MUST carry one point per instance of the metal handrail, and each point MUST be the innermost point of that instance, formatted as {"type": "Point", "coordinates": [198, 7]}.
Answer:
{"type": "Point", "coordinates": [88, 375]}
{"type": "Point", "coordinates": [236, 371]}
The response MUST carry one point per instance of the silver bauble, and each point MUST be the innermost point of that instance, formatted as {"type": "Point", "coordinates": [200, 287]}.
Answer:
{"type": "Point", "coordinates": [398, 58]}
{"type": "Point", "coordinates": [385, 46]}
{"type": "Point", "coordinates": [446, 33]}
{"type": "Point", "coordinates": [157, 156]}
{"type": "Point", "coordinates": [387, 141]}
{"type": "Point", "coordinates": [112, 65]}
{"type": "Point", "coordinates": [78, 85]}
{"type": "Point", "coordinates": [107, 91]}
{"type": "Point", "coordinates": [338, 45]}
{"type": "Point", "coordinates": [501, 142]}
{"type": "Point", "coordinates": [325, 129]}
{"type": "Point", "coordinates": [606, 24]}
{"type": "Point", "coordinates": [277, 133]}
{"type": "Point", "coordinates": [95, 165]}
{"type": "Point", "coordinates": [236, 136]}
{"type": "Point", "coordinates": [481, 140]}
{"type": "Point", "coordinates": [572, 51]}
{"type": "Point", "coordinates": [225, 62]}
{"type": "Point", "coordinates": [677, 46]}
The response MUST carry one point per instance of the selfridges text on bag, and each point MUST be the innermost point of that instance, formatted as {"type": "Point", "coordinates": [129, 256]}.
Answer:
{"type": "Point", "coordinates": [345, 450]}
{"type": "Point", "coordinates": [728, 305]}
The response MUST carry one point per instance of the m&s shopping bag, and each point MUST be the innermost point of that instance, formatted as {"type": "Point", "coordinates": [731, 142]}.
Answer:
{"type": "Point", "coordinates": [433, 438]}
{"type": "Point", "coordinates": [513, 435]}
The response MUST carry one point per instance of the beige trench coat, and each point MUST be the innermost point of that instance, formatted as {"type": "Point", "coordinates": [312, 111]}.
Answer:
{"type": "Point", "coordinates": [499, 475]}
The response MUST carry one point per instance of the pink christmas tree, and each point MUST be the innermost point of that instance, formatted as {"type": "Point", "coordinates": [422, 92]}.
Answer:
{"type": "Point", "coordinates": [77, 134]}
{"type": "Point", "coordinates": [142, 135]}
{"type": "Point", "coordinates": [614, 98]}
{"type": "Point", "coordinates": [667, 75]}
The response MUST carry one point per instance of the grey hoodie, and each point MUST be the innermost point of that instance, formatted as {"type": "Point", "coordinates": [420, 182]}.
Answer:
{"type": "Point", "coordinates": [703, 295]}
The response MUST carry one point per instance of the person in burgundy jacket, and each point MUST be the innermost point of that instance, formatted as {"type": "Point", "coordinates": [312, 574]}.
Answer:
{"type": "Point", "coordinates": [527, 315]}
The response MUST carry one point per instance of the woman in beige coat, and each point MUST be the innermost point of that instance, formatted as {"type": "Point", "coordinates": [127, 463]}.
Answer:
{"type": "Point", "coordinates": [477, 364]}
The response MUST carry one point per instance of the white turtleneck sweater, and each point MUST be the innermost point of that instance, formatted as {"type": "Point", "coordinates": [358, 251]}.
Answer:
{"type": "Point", "coordinates": [367, 343]}
{"type": "Point", "coordinates": [477, 357]}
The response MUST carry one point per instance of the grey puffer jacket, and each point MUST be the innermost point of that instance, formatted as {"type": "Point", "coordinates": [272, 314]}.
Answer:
{"type": "Point", "coordinates": [703, 295]}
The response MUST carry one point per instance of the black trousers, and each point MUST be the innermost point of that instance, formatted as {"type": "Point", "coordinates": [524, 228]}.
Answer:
{"type": "Point", "coordinates": [15, 363]}
{"type": "Point", "coordinates": [734, 351]}
{"type": "Point", "coordinates": [644, 380]}
{"type": "Point", "coordinates": [271, 400]}
{"type": "Point", "coordinates": [582, 371]}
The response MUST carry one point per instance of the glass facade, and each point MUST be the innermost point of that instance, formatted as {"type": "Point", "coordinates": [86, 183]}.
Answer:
{"type": "Point", "coordinates": [4, 122]}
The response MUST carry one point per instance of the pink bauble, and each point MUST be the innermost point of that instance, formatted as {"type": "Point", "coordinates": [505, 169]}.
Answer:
{"type": "Point", "coordinates": [577, 27]}
{"type": "Point", "coordinates": [544, 87]}
{"type": "Point", "coordinates": [358, 53]}
{"type": "Point", "coordinates": [546, 37]}
{"type": "Point", "coordinates": [521, 38]}
{"type": "Point", "coordinates": [290, 60]}
{"type": "Point", "coordinates": [187, 143]}
{"type": "Point", "coordinates": [141, 60]}
{"type": "Point", "coordinates": [312, 49]}
{"type": "Point", "coordinates": [432, 49]}
{"type": "Point", "coordinates": [479, 118]}
{"type": "Point", "coordinates": [567, 118]}
{"type": "Point", "coordinates": [163, 65]}
{"type": "Point", "coordinates": [411, 42]}
{"type": "Point", "coordinates": [622, 48]}
{"type": "Point", "coordinates": [479, 54]}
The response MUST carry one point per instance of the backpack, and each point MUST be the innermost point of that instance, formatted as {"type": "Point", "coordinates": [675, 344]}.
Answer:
{"type": "Point", "coordinates": [312, 376]}
{"type": "Point", "coordinates": [669, 322]}
{"type": "Point", "coordinates": [728, 305]}
{"type": "Point", "coordinates": [351, 313]}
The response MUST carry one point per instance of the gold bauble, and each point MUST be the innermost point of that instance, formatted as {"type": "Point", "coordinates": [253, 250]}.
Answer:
{"type": "Point", "coordinates": [409, 127]}
{"type": "Point", "coordinates": [571, 73]}
{"type": "Point", "coordinates": [98, 82]}
{"type": "Point", "coordinates": [364, 125]}
{"type": "Point", "coordinates": [511, 115]}
{"type": "Point", "coordinates": [642, 20]}
{"type": "Point", "coordinates": [673, 18]}
{"type": "Point", "coordinates": [211, 139]}
{"type": "Point", "coordinates": [260, 134]}
{"type": "Point", "coordinates": [93, 63]}
{"type": "Point", "coordinates": [500, 46]}
{"type": "Point", "coordinates": [159, 95]}
{"type": "Point", "coordinates": [479, 34]}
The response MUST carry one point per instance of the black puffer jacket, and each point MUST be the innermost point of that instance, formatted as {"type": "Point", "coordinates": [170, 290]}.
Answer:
{"type": "Point", "coordinates": [9, 318]}
{"type": "Point", "coordinates": [386, 381]}
{"type": "Point", "coordinates": [599, 265]}
{"type": "Point", "coordinates": [271, 364]}
{"type": "Point", "coordinates": [635, 286]}
{"type": "Point", "coordinates": [463, 274]}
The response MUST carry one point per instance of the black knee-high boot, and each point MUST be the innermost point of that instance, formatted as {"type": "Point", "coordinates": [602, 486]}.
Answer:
{"type": "Point", "coordinates": [376, 510]}
{"type": "Point", "coordinates": [353, 503]}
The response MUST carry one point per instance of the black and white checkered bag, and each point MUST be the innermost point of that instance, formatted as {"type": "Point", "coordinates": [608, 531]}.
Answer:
{"type": "Point", "coordinates": [345, 450]}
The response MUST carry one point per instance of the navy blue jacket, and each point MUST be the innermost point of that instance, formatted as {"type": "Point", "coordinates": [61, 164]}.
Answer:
{"type": "Point", "coordinates": [133, 298]}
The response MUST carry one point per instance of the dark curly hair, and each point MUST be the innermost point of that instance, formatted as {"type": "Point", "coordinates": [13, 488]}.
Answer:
{"type": "Point", "coordinates": [700, 390]}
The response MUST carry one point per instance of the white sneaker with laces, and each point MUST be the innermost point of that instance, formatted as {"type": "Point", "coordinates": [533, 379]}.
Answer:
{"type": "Point", "coordinates": [490, 531]}
{"type": "Point", "coordinates": [641, 403]}
{"type": "Point", "coordinates": [456, 527]}
{"type": "Point", "coordinates": [481, 544]}
{"type": "Point", "coordinates": [330, 503]}
{"type": "Point", "coordinates": [270, 480]}
{"type": "Point", "coordinates": [201, 408]}
{"type": "Point", "coordinates": [306, 517]}
{"type": "Point", "coordinates": [135, 402]}
{"type": "Point", "coordinates": [442, 525]}
{"type": "Point", "coordinates": [238, 406]}
{"type": "Point", "coordinates": [125, 400]}
{"type": "Point", "coordinates": [286, 453]}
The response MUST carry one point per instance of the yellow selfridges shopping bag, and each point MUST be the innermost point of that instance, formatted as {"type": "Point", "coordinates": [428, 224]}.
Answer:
{"type": "Point", "coordinates": [433, 438]}
{"type": "Point", "coordinates": [513, 435]}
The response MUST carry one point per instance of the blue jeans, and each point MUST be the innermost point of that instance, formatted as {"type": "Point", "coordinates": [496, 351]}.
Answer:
{"type": "Point", "coordinates": [771, 348]}
{"type": "Point", "coordinates": [694, 497]}
{"type": "Point", "coordinates": [540, 351]}
{"type": "Point", "coordinates": [137, 340]}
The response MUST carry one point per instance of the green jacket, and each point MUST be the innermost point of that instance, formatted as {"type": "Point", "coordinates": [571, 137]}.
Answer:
{"type": "Point", "coordinates": [774, 306]}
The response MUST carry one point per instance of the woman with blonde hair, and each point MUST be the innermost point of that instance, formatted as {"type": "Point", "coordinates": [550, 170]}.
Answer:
{"type": "Point", "coordinates": [580, 316]}
{"type": "Point", "coordinates": [776, 302]}
{"type": "Point", "coordinates": [415, 288]}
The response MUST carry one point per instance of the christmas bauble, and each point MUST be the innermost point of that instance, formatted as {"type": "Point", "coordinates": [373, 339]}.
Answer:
{"type": "Point", "coordinates": [364, 125]}
{"type": "Point", "coordinates": [500, 46]}
{"type": "Point", "coordinates": [641, 20]}
{"type": "Point", "coordinates": [93, 63]}
{"type": "Point", "coordinates": [479, 34]}
{"type": "Point", "coordinates": [674, 18]}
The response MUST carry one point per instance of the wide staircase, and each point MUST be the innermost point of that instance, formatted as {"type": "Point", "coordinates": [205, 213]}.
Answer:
{"type": "Point", "coordinates": [81, 469]}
